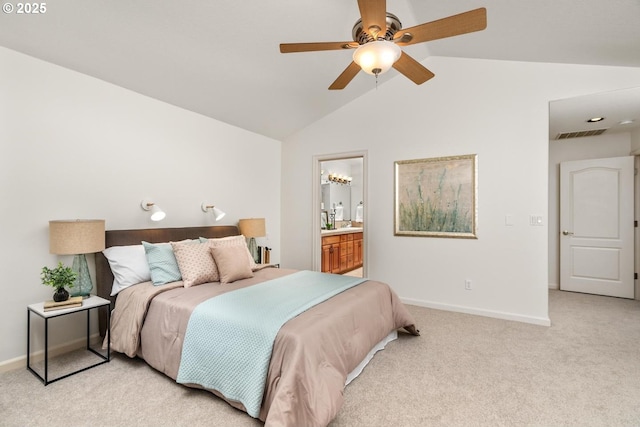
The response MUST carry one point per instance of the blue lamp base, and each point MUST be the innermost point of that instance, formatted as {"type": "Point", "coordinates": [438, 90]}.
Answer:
{"type": "Point", "coordinates": [253, 249]}
{"type": "Point", "coordinates": [82, 286]}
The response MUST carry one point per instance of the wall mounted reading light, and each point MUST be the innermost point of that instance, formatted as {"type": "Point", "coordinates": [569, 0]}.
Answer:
{"type": "Point", "coordinates": [217, 213]}
{"type": "Point", "coordinates": [157, 214]}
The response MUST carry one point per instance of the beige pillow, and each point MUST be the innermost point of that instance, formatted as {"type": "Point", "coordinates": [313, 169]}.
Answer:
{"type": "Point", "coordinates": [233, 241]}
{"type": "Point", "coordinates": [231, 262]}
{"type": "Point", "coordinates": [195, 263]}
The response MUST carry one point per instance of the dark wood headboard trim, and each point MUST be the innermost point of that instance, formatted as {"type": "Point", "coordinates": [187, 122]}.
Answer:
{"type": "Point", "coordinates": [104, 277]}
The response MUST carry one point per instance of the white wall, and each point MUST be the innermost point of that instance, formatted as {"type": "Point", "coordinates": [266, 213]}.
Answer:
{"type": "Point", "coordinates": [76, 147]}
{"type": "Point", "coordinates": [635, 141]}
{"type": "Point", "coordinates": [594, 147]}
{"type": "Point", "coordinates": [497, 109]}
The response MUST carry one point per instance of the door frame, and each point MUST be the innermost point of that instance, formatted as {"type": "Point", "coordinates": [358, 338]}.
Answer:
{"type": "Point", "coordinates": [636, 206]}
{"type": "Point", "coordinates": [316, 239]}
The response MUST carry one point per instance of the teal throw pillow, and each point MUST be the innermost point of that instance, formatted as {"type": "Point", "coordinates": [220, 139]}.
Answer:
{"type": "Point", "coordinates": [162, 263]}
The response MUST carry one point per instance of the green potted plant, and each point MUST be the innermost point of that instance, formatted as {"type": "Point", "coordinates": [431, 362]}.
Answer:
{"type": "Point", "coordinates": [59, 278]}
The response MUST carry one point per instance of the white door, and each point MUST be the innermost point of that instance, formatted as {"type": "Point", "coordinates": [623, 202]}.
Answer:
{"type": "Point", "coordinates": [596, 226]}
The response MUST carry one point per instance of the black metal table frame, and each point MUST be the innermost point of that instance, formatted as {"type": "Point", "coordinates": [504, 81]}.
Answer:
{"type": "Point", "coordinates": [105, 359]}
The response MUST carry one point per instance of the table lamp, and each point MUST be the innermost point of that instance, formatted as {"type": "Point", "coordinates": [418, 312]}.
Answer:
{"type": "Point", "coordinates": [77, 237]}
{"type": "Point", "coordinates": [252, 228]}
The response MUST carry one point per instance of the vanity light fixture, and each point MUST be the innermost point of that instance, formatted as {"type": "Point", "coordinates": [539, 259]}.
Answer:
{"type": "Point", "coordinates": [340, 179]}
{"type": "Point", "coordinates": [157, 214]}
{"type": "Point", "coordinates": [217, 213]}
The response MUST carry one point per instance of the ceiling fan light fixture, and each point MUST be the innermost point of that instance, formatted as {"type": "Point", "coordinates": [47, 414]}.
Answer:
{"type": "Point", "coordinates": [377, 57]}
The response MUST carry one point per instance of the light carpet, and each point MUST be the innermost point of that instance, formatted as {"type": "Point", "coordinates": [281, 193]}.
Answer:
{"type": "Point", "coordinates": [464, 370]}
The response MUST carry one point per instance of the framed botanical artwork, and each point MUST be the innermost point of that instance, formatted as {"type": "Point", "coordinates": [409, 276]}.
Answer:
{"type": "Point", "coordinates": [436, 197]}
{"type": "Point", "coordinates": [324, 219]}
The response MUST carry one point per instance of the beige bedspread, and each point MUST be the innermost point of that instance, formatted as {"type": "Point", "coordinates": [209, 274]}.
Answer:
{"type": "Point", "coordinates": [312, 355]}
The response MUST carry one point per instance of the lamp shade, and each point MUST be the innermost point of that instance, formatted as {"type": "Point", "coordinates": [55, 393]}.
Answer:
{"type": "Point", "coordinates": [377, 57]}
{"type": "Point", "coordinates": [218, 214]}
{"type": "Point", "coordinates": [76, 236]}
{"type": "Point", "coordinates": [252, 227]}
{"type": "Point", "coordinates": [157, 214]}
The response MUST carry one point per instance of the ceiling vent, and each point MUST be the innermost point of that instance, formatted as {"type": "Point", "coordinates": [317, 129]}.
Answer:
{"type": "Point", "coordinates": [580, 134]}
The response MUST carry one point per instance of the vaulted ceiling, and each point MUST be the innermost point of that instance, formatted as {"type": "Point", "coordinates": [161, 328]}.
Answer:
{"type": "Point", "coordinates": [222, 59]}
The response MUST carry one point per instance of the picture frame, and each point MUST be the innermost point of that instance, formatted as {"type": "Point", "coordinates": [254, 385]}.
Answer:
{"type": "Point", "coordinates": [324, 219]}
{"type": "Point", "coordinates": [436, 197]}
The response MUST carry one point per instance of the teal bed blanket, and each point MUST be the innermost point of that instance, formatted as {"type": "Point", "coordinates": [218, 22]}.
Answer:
{"type": "Point", "coordinates": [229, 338]}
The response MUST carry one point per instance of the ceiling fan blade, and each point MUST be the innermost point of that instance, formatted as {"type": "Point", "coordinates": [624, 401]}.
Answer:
{"type": "Point", "coordinates": [347, 75]}
{"type": "Point", "coordinates": [310, 47]}
{"type": "Point", "coordinates": [412, 69]}
{"type": "Point", "coordinates": [463, 23]}
{"type": "Point", "coordinates": [374, 14]}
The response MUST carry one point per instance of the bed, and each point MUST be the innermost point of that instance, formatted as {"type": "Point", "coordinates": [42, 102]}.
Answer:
{"type": "Point", "coordinates": [314, 354]}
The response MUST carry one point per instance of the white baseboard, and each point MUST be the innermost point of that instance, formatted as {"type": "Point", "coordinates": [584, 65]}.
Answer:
{"type": "Point", "coordinates": [554, 286]}
{"type": "Point", "coordinates": [21, 362]}
{"type": "Point", "coordinates": [542, 321]}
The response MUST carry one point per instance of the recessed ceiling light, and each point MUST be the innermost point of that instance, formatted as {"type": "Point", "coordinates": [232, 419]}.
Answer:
{"type": "Point", "coordinates": [625, 122]}
{"type": "Point", "coordinates": [595, 119]}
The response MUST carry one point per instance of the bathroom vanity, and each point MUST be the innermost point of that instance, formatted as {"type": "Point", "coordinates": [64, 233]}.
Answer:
{"type": "Point", "coordinates": [341, 250]}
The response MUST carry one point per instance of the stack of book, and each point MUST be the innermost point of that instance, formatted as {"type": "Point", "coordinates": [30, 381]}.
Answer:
{"type": "Point", "coordinates": [70, 303]}
{"type": "Point", "coordinates": [264, 255]}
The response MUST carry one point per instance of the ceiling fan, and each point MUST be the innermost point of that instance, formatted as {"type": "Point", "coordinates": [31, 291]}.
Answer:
{"type": "Point", "coordinates": [378, 35]}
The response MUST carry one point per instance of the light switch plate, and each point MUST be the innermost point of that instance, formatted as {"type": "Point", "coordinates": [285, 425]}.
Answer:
{"type": "Point", "coordinates": [508, 220]}
{"type": "Point", "coordinates": [535, 220]}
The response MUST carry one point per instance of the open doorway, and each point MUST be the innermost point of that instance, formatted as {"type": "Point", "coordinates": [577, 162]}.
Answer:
{"type": "Point", "coordinates": [573, 138]}
{"type": "Point", "coordinates": [339, 206]}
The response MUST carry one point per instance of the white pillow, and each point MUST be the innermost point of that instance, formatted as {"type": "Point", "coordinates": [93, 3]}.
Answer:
{"type": "Point", "coordinates": [129, 266]}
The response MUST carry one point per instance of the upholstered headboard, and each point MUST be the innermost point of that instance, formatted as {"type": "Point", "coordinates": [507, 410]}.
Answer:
{"type": "Point", "coordinates": [104, 277]}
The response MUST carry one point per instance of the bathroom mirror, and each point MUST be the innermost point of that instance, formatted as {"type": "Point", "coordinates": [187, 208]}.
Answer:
{"type": "Point", "coordinates": [341, 184]}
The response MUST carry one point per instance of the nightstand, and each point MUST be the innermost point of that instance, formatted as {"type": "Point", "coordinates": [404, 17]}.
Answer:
{"type": "Point", "coordinates": [88, 304]}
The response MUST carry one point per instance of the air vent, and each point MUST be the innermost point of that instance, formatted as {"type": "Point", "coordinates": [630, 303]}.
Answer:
{"type": "Point", "coordinates": [580, 134]}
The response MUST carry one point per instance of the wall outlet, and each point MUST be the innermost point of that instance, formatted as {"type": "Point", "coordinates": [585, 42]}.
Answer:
{"type": "Point", "coordinates": [467, 285]}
